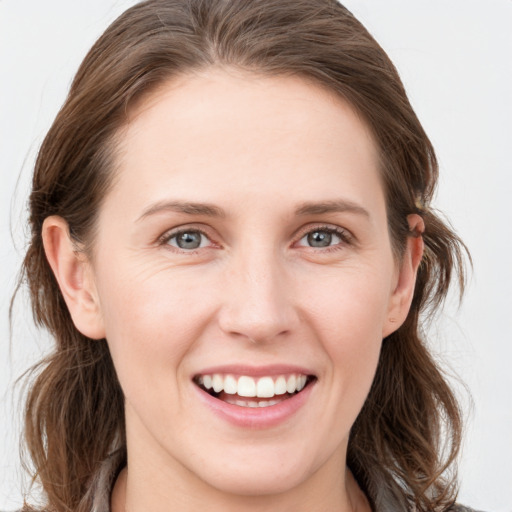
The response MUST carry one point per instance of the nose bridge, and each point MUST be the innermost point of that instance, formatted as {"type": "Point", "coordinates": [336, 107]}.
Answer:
{"type": "Point", "coordinates": [257, 303]}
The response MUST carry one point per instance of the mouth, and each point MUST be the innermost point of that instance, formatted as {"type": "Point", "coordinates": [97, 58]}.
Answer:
{"type": "Point", "coordinates": [253, 392]}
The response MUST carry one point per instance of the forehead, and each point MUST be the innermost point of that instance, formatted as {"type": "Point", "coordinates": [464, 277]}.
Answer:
{"type": "Point", "coordinates": [209, 132]}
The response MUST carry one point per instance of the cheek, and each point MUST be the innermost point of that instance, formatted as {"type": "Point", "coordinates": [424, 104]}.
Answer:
{"type": "Point", "coordinates": [349, 317]}
{"type": "Point", "coordinates": [353, 306]}
{"type": "Point", "coordinates": [151, 321]}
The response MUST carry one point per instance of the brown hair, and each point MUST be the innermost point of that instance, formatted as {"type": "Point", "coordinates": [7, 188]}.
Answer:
{"type": "Point", "coordinates": [74, 412]}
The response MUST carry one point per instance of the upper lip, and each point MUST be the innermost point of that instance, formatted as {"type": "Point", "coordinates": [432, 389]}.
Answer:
{"type": "Point", "coordinates": [255, 371]}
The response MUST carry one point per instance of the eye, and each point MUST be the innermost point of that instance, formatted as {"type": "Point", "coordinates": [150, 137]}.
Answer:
{"type": "Point", "coordinates": [187, 239]}
{"type": "Point", "coordinates": [324, 237]}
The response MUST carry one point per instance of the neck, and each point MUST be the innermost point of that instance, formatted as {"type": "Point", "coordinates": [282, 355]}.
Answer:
{"type": "Point", "coordinates": [265, 476]}
{"type": "Point", "coordinates": [135, 491]}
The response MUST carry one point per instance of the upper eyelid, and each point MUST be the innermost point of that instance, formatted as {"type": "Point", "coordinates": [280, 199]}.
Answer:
{"type": "Point", "coordinates": [333, 228]}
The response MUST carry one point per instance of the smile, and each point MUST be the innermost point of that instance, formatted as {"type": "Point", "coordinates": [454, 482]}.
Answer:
{"type": "Point", "coordinates": [251, 392]}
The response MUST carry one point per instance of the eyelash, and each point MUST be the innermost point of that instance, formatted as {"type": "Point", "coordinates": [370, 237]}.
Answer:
{"type": "Point", "coordinates": [344, 235]}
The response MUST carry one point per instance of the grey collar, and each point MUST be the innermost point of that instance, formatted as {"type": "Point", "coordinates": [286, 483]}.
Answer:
{"type": "Point", "coordinates": [104, 481]}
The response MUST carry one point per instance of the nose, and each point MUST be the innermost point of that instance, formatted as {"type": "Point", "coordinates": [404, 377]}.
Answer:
{"type": "Point", "coordinates": [257, 299]}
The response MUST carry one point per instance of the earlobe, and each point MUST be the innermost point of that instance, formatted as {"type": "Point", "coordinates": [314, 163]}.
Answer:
{"type": "Point", "coordinates": [402, 294]}
{"type": "Point", "coordinates": [73, 273]}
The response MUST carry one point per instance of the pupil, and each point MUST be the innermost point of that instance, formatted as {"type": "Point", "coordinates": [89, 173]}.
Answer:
{"type": "Point", "coordinates": [189, 240]}
{"type": "Point", "coordinates": [319, 239]}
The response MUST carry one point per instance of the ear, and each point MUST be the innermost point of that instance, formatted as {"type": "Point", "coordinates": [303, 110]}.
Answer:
{"type": "Point", "coordinates": [402, 294]}
{"type": "Point", "coordinates": [74, 275]}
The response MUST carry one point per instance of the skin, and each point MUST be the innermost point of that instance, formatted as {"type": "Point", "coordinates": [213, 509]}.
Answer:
{"type": "Point", "coordinates": [255, 292]}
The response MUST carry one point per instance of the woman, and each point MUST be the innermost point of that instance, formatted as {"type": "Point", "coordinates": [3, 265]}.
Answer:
{"type": "Point", "coordinates": [232, 245]}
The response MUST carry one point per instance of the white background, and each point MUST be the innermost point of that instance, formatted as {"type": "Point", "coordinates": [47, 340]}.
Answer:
{"type": "Point", "coordinates": [455, 57]}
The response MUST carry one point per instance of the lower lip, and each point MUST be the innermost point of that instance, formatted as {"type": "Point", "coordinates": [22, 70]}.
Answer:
{"type": "Point", "coordinates": [257, 417]}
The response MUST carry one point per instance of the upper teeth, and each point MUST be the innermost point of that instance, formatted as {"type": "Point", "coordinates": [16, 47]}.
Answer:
{"type": "Point", "coordinates": [263, 387]}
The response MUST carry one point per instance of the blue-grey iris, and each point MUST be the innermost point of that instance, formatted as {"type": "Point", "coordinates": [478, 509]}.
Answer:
{"type": "Point", "coordinates": [319, 239]}
{"type": "Point", "coordinates": [188, 240]}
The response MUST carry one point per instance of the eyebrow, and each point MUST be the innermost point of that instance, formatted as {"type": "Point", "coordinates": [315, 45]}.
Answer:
{"type": "Point", "coordinates": [334, 206]}
{"type": "Point", "coordinates": [206, 209]}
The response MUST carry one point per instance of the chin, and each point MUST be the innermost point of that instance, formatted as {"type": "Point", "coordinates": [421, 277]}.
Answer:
{"type": "Point", "coordinates": [256, 483]}
{"type": "Point", "coordinates": [255, 474]}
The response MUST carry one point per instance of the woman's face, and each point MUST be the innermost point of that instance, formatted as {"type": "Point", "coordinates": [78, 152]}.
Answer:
{"type": "Point", "coordinates": [244, 246]}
